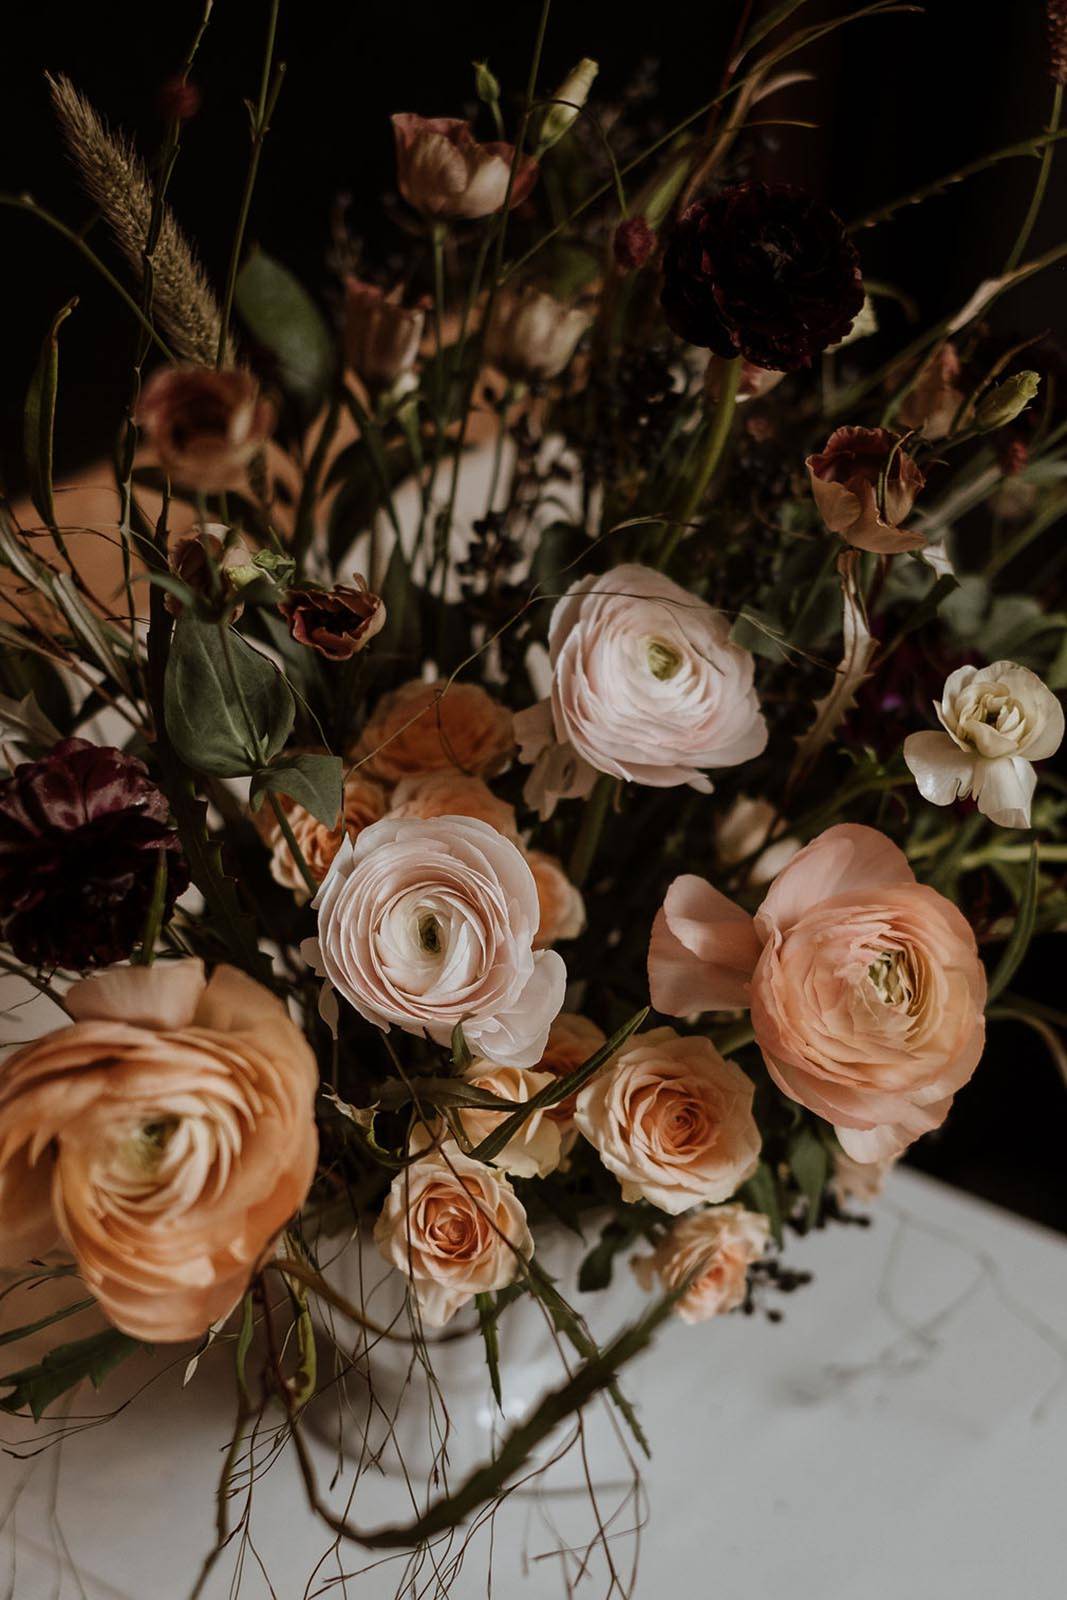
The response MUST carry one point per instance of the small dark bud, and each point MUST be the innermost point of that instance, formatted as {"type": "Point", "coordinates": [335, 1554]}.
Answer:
{"type": "Point", "coordinates": [179, 100]}
{"type": "Point", "coordinates": [634, 244]}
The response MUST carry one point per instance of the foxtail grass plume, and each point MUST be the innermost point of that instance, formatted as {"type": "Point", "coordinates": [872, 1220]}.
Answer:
{"type": "Point", "coordinates": [115, 178]}
{"type": "Point", "coordinates": [1057, 40]}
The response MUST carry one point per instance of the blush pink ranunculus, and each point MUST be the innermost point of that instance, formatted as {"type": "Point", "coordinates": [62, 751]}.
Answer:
{"type": "Point", "coordinates": [715, 1250]}
{"type": "Point", "coordinates": [646, 686]}
{"type": "Point", "coordinates": [164, 1138]}
{"type": "Point", "coordinates": [865, 987]}
{"type": "Point", "coordinates": [672, 1120]}
{"type": "Point", "coordinates": [425, 924]}
{"type": "Point", "coordinates": [455, 1228]}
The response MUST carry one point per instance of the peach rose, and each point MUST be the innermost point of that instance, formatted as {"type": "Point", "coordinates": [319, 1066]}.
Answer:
{"type": "Point", "coordinates": [562, 906]}
{"type": "Point", "coordinates": [426, 924]}
{"type": "Point", "coordinates": [646, 686]}
{"type": "Point", "coordinates": [363, 802]}
{"type": "Point", "coordinates": [204, 427]}
{"type": "Point", "coordinates": [165, 1138]}
{"type": "Point", "coordinates": [443, 171]}
{"type": "Point", "coordinates": [435, 727]}
{"type": "Point", "coordinates": [454, 1228]}
{"type": "Point", "coordinates": [572, 1039]}
{"type": "Point", "coordinates": [719, 1246]}
{"type": "Point", "coordinates": [534, 1151]}
{"type": "Point", "coordinates": [865, 987]}
{"type": "Point", "coordinates": [453, 794]}
{"type": "Point", "coordinates": [846, 478]}
{"type": "Point", "coordinates": [672, 1120]}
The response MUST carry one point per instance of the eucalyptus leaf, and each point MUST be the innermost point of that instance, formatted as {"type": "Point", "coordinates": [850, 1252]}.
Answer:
{"type": "Point", "coordinates": [282, 317]}
{"type": "Point", "coordinates": [313, 781]}
{"type": "Point", "coordinates": [228, 709]}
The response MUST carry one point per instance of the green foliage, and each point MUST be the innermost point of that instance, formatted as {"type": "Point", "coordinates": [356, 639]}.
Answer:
{"type": "Point", "coordinates": [282, 317]}
{"type": "Point", "coordinates": [39, 419]}
{"type": "Point", "coordinates": [228, 709]}
{"type": "Point", "coordinates": [313, 781]}
{"type": "Point", "coordinates": [62, 1368]}
{"type": "Point", "coordinates": [1022, 933]}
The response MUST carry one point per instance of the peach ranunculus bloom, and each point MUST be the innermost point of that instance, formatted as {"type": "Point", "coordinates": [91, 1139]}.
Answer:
{"type": "Point", "coordinates": [845, 478]}
{"type": "Point", "coordinates": [572, 1039]}
{"type": "Point", "coordinates": [672, 1120]}
{"type": "Point", "coordinates": [204, 428]}
{"type": "Point", "coordinates": [561, 902]}
{"type": "Point", "coordinates": [453, 794]}
{"type": "Point", "coordinates": [718, 1246]}
{"type": "Point", "coordinates": [534, 1151]}
{"type": "Point", "coordinates": [423, 925]}
{"type": "Point", "coordinates": [646, 687]}
{"type": "Point", "coordinates": [443, 171]}
{"type": "Point", "coordinates": [435, 727]}
{"type": "Point", "coordinates": [865, 986]}
{"type": "Point", "coordinates": [363, 802]}
{"type": "Point", "coordinates": [164, 1138]}
{"type": "Point", "coordinates": [455, 1228]}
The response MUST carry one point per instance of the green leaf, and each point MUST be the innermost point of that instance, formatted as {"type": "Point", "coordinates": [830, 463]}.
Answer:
{"type": "Point", "coordinates": [39, 419]}
{"type": "Point", "coordinates": [597, 1268]}
{"type": "Point", "coordinates": [487, 1321]}
{"type": "Point", "coordinates": [761, 1193]}
{"type": "Point", "coordinates": [1023, 931]}
{"type": "Point", "coordinates": [12, 1335]}
{"type": "Point", "coordinates": [24, 723]}
{"type": "Point", "coordinates": [313, 781]}
{"type": "Point", "coordinates": [282, 317]}
{"type": "Point", "coordinates": [461, 1050]}
{"type": "Point", "coordinates": [810, 1161]}
{"type": "Point", "coordinates": [61, 1369]}
{"type": "Point", "coordinates": [228, 709]}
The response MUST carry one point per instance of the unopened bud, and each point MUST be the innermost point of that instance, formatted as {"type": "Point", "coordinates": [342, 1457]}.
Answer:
{"type": "Point", "coordinates": [568, 100]}
{"type": "Point", "coordinates": [1004, 403]}
{"type": "Point", "coordinates": [486, 84]}
{"type": "Point", "coordinates": [634, 243]}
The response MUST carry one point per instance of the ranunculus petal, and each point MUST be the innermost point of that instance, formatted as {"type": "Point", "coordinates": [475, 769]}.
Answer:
{"type": "Point", "coordinates": [846, 857]}
{"type": "Point", "coordinates": [702, 951]}
{"type": "Point", "coordinates": [164, 995]}
{"type": "Point", "coordinates": [942, 771]}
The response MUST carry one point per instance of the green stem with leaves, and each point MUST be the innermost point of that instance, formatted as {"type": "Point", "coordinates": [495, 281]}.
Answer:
{"type": "Point", "coordinates": [718, 433]}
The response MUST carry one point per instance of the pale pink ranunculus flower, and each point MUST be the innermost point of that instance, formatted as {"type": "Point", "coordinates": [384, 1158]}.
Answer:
{"type": "Point", "coordinates": [718, 1246]}
{"type": "Point", "coordinates": [444, 171]}
{"type": "Point", "coordinates": [646, 687]}
{"type": "Point", "coordinates": [453, 794]}
{"type": "Point", "coordinates": [455, 1228]}
{"type": "Point", "coordinates": [997, 720]}
{"type": "Point", "coordinates": [672, 1120]}
{"type": "Point", "coordinates": [425, 924]}
{"type": "Point", "coordinates": [165, 1137]}
{"type": "Point", "coordinates": [534, 1151]}
{"type": "Point", "coordinates": [865, 987]}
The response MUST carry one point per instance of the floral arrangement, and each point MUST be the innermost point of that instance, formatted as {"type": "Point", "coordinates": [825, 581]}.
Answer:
{"type": "Point", "coordinates": [557, 751]}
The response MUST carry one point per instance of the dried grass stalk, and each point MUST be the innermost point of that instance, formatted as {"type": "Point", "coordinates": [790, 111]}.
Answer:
{"type": "Point", "coordinates": [1057, 40]}
{"type": "Point", "coordinates": [116, 179]}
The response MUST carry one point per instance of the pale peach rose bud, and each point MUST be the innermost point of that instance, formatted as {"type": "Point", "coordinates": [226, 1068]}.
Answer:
{"type": "Point", "coordinates": [846, 480]}
{"type": "Point", "coordinates": [634, 244]}
{"type": "Point", "coordinates": [455, 1228]}
{"type": "Point", "coordinates": [363, 802]}
{"type": "Point", "coordinates": [935, 399]}
{"type": "Point", "coordinates": [862, 1181]}
{"type": "Point", "coordinates": [561, 903]}
{"type": "Point", "coordinates": [443, 171]}
{"type": "Point", "coordinates": [567, 102]}
{"type": "Point", "coordinates": [866, 991]}
{"type": "Point", "coordinates": [532, 335]}
{"type": "Point", "coordinates": [1007, 401]}
{"type": "Point", "coordinates": [755, 381]}
{"type": "Point", "coordinates": [381, 336]}
{"type": "Point", "coordinates": [715, 1248]}
{"type": "Point", "coordinates": [164, 1138]}
{"type": "Point", "coordinates": [534, 1151]}
{"type": "Point", "coordinates": [433, 727]}
{"type": "Point", "coordinates": [192, 556]}
{"type": "Point", "coordinates": [453, 794]}
{"type": "Point", "coordinates": [204, 427]}
{"type": "Point", "coordinates": [672, 1120]}
{"type": "Point", "coordinates": [997, 721]}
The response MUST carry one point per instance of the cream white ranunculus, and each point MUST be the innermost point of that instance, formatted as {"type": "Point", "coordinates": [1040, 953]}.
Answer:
{"type": "Point", "coordinates": [646, 686]}
{"type": "Point", "coordinates": [997, 721]}
{"type": "Point", "coordinates": [427, 923]}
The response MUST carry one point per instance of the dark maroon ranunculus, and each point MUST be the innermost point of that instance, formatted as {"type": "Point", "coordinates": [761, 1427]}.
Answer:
{"type": "Point", "coordinates": [336, 622]}
{"type": "Point", "coordinates": [764, 271]}
{"type": "Point", "coordinates": [80, 836]}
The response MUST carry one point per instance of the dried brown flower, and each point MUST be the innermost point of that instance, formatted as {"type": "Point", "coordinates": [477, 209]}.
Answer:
{"type": "Point", "coordinates": [336, 622]}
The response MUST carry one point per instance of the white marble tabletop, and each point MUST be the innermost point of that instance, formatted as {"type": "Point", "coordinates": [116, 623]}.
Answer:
{"type": "Point", "coordinates": [903, 1432]}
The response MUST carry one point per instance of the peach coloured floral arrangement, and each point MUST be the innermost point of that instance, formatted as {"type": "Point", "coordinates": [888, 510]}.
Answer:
{"type": "Point", "coordinates": [550, 739]}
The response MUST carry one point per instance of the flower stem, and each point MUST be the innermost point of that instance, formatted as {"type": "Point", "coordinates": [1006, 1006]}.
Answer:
{"type": "Point", "coordinates": [718, 433]}
{"type": "Point", "coordinates": [596, 809]}
{"type": "Point", "coordinates": [1041, 185]}
{"type": "Point", "coordinates": [294, 849]}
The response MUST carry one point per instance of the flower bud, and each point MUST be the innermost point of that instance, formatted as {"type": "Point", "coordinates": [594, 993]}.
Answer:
{"type": "Point", "coordinates": [532, 335]}
{"type": "Point", "coordinates": [567, 101]}
{"type": "Point", "coordinates": [634, 244]}
{"type": "Point", "coordinates": [486, 84]}
{"type": "Point", "coordinates": [381, 337]}
{"type": "Point", "coordinates": [1004, 403]}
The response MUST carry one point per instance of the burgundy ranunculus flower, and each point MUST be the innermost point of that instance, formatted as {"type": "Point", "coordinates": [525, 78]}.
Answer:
{"type": "Point", "coordinates": [335, 622]}
{"type": "Point", "coordinates": [764, 271]}
{"type": "Point", "coordinates": [80, 835]}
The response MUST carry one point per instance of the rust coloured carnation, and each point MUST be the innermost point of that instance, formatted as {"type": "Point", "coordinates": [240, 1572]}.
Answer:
{"type": "Point", "coordinates": [336, 622]}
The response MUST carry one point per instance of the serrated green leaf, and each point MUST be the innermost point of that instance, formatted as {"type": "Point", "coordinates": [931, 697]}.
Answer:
{"type": "Point", "coordinates": [313, 781]}
{"type": "Point", "coordinates": [62, 1368]}
{"type": "Point", "coordinates": [282, 317]}
{"type": "Point", "coordinates": [228, 709]}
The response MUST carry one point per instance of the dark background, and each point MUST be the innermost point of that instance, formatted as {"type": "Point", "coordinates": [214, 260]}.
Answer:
{"type": "Point", "coordinates": [899, 99]}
